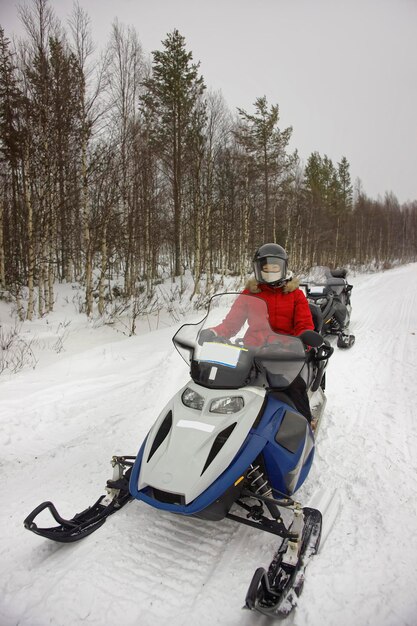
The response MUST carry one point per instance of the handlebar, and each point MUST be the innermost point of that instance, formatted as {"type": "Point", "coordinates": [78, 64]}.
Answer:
{"type": "Point", "coordinates": [324, 353]}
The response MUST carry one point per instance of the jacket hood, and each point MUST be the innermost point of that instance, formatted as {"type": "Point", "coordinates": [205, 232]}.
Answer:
{"type": "Point", "coordinates": [290, 285]}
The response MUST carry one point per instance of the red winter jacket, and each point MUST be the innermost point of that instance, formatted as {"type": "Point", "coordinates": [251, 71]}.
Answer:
{"type": "Point", "coordinates": [288, 310]}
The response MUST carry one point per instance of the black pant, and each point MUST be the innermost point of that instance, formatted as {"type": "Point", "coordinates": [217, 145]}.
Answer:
{"type": "Point", "coordinates": [340, 313]}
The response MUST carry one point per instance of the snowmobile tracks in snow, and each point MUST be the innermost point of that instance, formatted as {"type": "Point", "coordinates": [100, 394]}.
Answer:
{"type": "Point", "coordinates": [178, 558]}
{"type": "Point", "coordinates": [329, 502]}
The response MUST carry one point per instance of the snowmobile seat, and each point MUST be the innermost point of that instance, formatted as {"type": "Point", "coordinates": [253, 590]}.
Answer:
{"type": "Point", "coordinates": [337, 285]}
{"type": "Point", "coordinates": [317, 316]}
{"type": "Point", "coordinates": [340, 273]}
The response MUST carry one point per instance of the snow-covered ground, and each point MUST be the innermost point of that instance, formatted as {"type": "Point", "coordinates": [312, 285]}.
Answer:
{"type": "Point", "coordinates": [95, 393]}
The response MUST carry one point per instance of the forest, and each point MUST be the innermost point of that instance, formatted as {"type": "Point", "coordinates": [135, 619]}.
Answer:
{"type": "Point", "coordinates": [116, 166]}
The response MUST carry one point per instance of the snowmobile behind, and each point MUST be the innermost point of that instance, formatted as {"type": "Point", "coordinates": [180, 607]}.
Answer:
{"type": "Point", "coordinates": [329, 291]}
{"type": "Point", "coordinates": [228, 445]}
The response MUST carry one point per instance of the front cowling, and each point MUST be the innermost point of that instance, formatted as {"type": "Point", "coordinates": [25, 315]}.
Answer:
{"type": "Point", "coordinates": [192, 453]}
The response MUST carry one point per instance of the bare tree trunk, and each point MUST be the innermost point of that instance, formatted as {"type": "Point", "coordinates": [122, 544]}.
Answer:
{"type": "Point", "coordinates": [300, 257]}
{"type": "Point", "coordinates": [197, 256]}
{"type": "Point", "coordinates": [148, 252]}
{"type": "Point", "coordinates": [336, 244]}
{"type": "Point", "coordinates": [274, 223]}
{"type": "Point", "coordinates": [19, 305]}
{"type": "Point", "coordinates": [198, 225]}
{"type": "Point", "coordinates": [41, 281]}
{"type": "Point", "coordinates": [87, 243]}
{"type": "Point", "coordinates": [51, 278]}
{"type": "Point", "coordinates": [51, 260]}
{"type": "Point", "coordinates": [266, 235]}
{"type": "Point", "coordinates": [245, 235]}
{"type": "Point", "coordinates": [177, 222]}
{"type": "Point", "coordinates": [101, 283]}
{"type": "Point", "coordinates": [2, 255]}
{"type": "Point", "coordinates": [245, 240]}
{"type": "Point", "coordinates": [31, 250]}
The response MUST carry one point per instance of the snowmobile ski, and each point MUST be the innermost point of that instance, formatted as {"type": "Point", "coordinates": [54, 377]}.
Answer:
{"type": "Point", "coordinates": [89, 520]}
{"type": "Point", "coordinates": [345, 341]}
{"type": "Point", "coordinates": [275, 592]}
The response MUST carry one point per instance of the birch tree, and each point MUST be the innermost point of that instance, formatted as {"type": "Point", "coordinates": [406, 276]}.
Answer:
{"type": "Point", "coordinates": [125, 75]}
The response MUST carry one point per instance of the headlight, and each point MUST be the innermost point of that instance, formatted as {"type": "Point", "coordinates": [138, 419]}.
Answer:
{"type": "Point", "coordinates": [192, 399]}
{"type": "Point", "coordinates": [229, 404]}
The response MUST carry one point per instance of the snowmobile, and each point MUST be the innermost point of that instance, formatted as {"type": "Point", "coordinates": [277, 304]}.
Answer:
{"type": "Point", "coordinates": [228, 445]}
{"type": "Point", "coordinates": [330, 291]}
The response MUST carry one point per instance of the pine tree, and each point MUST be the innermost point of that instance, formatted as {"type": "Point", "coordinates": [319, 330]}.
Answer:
{"type": "Point", "coordinates": [346, 188]}
{"type": "Point", "coordinates": [262, 139]}
{"type": "Point", "coordinates": [172, 105]}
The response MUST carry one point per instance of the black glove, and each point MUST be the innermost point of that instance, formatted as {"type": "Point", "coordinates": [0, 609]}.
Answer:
{"type": "Point", "coordinates": [206, 335]}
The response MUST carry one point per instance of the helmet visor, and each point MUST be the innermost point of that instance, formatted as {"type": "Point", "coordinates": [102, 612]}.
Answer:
{"type": "Point", "coordinates": [272, 269]}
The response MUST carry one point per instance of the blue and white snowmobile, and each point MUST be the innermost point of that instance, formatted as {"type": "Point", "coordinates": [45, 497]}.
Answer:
{"type": "Point", "coordinates": [229, 444]}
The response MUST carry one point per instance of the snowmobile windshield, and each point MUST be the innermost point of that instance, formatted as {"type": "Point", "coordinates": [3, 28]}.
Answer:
{"type": "Point", "coordinates": [234, 341]}
{"type": "Point", "coordinates": [318, 275]}
{"type": "Point", "coordinates": [320, 279]}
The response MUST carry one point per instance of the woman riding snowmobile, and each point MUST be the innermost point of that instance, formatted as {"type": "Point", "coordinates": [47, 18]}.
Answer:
{"type": "Point", "coordinates": [288, 310]}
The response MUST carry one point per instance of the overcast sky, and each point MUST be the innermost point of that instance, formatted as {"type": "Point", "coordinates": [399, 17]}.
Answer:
{"type": "Point", "coordinates": [344, 72]}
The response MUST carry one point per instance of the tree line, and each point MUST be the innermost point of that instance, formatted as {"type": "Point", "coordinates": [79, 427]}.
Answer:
{"type": "Point", "coordinates": [122, 167]}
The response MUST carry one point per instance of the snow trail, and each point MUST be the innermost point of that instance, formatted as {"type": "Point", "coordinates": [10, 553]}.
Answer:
{"type": "Point", "coordinates": [61, 423]}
